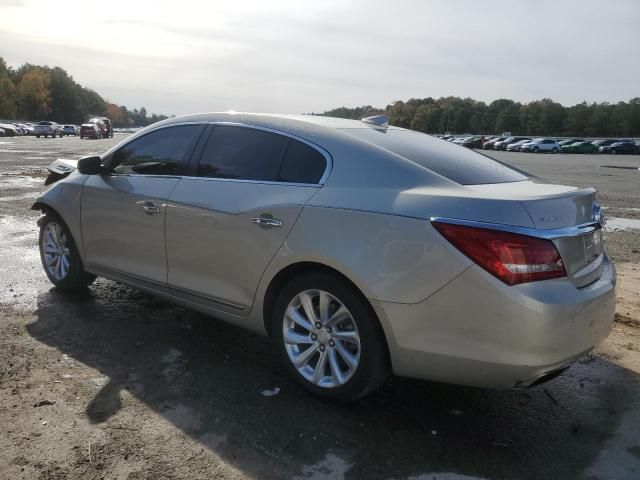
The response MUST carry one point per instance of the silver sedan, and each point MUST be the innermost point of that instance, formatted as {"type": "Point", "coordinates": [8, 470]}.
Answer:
{"type": "Point", "coordinates": [362, 249]}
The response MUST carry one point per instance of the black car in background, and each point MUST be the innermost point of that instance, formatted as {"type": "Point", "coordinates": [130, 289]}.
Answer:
{"type": "Point", "coordinates": [622, 146]}
{"type": "Point", "coordinates": [604, 143]}
{"type": "Point", "coordinates": [473, 142]}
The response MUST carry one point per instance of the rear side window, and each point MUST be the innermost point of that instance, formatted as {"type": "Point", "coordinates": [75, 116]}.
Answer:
{"type": "Point", "coordinates": [242, 153]}
{"type": "Point", "coordinates": [157, 153]}
{"type": "Point", "coordinates": [455, 163]}
{"type": "Point", "coordinates": [251, 154]}
{"type": "Point", "coordinates": [302, 164]}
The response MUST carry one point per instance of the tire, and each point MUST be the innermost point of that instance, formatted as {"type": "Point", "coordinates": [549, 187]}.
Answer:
{"type": "Point", "coordinates": [74, 278]}
{"type": "Point", "coordinates": [81, 137]}
{"type": "Point", "coordinates": [554, 150]}
{"type": "Point", "coordinates": [614, 151]}
{"type": "Point", "coordinates": [37, 136]}
{"type": "Point", "coordinates": [536, 149]}
{"type": "Point", "coordinates": [369, 360]}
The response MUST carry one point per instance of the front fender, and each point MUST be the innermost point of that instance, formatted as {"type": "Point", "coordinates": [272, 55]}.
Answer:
{"type": "Point", "coordinates": [63, 199]}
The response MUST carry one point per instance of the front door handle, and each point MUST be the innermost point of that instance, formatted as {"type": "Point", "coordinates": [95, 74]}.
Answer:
{"type": "Point", "coordinates": [266, 222]}
{"type": "Point", "coordinates": [149, 208]}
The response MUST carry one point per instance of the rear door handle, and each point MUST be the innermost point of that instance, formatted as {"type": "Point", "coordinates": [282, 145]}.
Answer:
{"type": "Point", "coordinates": [266, 222]}
{"type": "Point", "coordinates": [149, 208]}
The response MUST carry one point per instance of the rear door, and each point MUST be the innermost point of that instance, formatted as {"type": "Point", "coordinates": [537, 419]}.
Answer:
{"type": "Point", "coordinates": [123, 211]}
{"type": "Point", "coordinates": [229, 218]}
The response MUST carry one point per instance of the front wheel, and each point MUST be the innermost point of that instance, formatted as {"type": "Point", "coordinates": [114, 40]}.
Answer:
{"type": "Point", "coordinates": [329, 338]}
{"type": "Point", "coordinates": [59, 255]}
{"type": "Point", "coordinates": [614, 151]}
{"type": "Point", "coordinates": [536, 149]}
{"type": "Point", "coordinates": [554, 150]}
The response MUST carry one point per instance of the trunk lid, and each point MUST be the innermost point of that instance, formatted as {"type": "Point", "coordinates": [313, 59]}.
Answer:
{"type": "Point", "coordinates": [570, 212]}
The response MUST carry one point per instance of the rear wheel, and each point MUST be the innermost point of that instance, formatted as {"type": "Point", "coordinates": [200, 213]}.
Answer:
{"type": "Point", "coordinates": [329, 338]}
{"type": "Point", "coordinates": [554, 150]}
{"type": "Point", "coordinates": [60, 257]}
{"type": "Point", "coordinates": [614, 151]}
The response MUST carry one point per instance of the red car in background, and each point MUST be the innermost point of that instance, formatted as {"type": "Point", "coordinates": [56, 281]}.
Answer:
{"type": "Point", "coordinates": [104, 124]}
{"type": "Point", "coordinates": [90, 130]}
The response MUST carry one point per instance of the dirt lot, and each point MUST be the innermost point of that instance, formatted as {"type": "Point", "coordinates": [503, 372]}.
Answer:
{"type": "Point", "coordinates": [116, 384]}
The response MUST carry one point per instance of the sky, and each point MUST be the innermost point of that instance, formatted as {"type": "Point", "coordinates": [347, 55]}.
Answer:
{"type": "Point", "coordinates": [185, 56]}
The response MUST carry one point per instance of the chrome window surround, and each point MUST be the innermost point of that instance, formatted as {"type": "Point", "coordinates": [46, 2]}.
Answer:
{"type": "Point", "coordinates": [550, 234]}
{"type": "Point", "coordinates": [318, 148]}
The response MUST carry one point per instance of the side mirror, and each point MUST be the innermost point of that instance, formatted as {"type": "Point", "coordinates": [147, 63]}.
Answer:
{"type": "Point", "coordinates": [90, 165]}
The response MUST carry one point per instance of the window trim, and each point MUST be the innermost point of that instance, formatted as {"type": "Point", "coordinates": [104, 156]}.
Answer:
{"type": "Point", "coordinates": [195, 160]}
{"type": "Point", "coordinates": [184, 162]}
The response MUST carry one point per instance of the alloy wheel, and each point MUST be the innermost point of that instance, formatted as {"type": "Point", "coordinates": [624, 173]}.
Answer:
{"type": "Point", "coordinates": [55, 251]}
{"type": "Point", "coordinates": [321, 338]}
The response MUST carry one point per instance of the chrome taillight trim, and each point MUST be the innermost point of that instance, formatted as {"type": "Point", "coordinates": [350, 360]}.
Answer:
{"type": "Point", "coordinates": [548, 234]}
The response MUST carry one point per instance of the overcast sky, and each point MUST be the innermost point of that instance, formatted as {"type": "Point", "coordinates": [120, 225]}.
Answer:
{"type": "Point", "coordinates": [183, 56]}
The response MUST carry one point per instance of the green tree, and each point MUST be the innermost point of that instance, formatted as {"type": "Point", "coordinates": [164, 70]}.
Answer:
{"type": "Point", "coordinates": [8, 95]}
{"type": "Point", "coordinates": [34, 99]}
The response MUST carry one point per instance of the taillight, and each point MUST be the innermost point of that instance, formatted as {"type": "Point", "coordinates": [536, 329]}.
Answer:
{"type": "Point", "coordinates": [511, 257]}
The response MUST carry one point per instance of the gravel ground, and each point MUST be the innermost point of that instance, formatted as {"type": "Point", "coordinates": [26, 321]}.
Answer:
{"type": "Point", "coordinates": [116, 384]}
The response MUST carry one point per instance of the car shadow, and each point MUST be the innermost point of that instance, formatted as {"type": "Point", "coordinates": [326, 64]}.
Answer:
{"type": "Point", "coordinates": [206, 377]}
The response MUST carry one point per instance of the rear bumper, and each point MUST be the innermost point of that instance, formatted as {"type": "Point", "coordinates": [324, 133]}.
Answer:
{"type": "Point", "coordinates": [478, 331]}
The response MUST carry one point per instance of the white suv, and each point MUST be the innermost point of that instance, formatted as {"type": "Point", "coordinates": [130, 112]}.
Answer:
{"type": "Point", "coordinates": [541, 145]}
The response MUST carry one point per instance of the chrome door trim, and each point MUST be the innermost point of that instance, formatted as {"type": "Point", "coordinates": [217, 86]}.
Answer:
{"type": "Point", "coordinates": [263, 182]}
{"type": "Point", "coordinates": [550, 234]}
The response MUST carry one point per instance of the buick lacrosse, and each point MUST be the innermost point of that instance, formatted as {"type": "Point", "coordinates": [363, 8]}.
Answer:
{"type": "Point", "coordinates": [362, 249]}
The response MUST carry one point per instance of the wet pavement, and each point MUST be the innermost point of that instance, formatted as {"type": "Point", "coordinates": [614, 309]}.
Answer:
{"type": "Point", "coordinates": [116, 384]}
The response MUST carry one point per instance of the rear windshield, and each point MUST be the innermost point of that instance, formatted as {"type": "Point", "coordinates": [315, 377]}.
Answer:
{"type": "Point", "coordinates": [458, 164]}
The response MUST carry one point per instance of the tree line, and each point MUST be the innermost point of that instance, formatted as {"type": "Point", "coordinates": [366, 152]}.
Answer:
{"type": "Point", "coordinates": [33, 92]}
{"type": "Point", "coordinates": [538, 118]}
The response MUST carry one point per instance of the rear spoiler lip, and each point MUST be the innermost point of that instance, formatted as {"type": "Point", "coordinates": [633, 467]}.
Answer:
{"type": "Point", "coordinates": [63, 166]}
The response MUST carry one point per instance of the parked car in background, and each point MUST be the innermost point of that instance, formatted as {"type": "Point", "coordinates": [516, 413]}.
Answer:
{"type": "Point", "coordinates": [473, 142]}
{"type": "Point", "coordinates": [1, 132]}
{"type": "Point", "coordinates": [47, 129]}
{"type": "Point", "coordinates": [28, 128]}
{"type": "Point", "coordinates": [579, 147]}
{"type": "Point", "coordinates": [562, 143]}
{"type": "Point", "coordinates": [515, 146]}
{"type": "Point", "coordinates": [70, 130]}
{"type": "Point", "coordinates": [10, 130]}
{"type": "Point", "coordinates": [90, 130]}
{"type": "Point", "coordinates": [104, 124]}
{"type": "Point", "coordinates": [324, 240]}
{"type": "Point", "coordinates": [621, 147]}
{"type": "Point", "coordinates": [489, 144]}
{"type": "Point", "coordinates": [536, 145]}
{"type": "Point", "coordinates": [604, 143]}
{"type": "Point", "coordinates": [502, 145]}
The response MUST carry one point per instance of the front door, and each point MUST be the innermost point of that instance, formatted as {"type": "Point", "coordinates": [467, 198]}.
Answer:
{"type": "Point", "coordinates": [123, 211]}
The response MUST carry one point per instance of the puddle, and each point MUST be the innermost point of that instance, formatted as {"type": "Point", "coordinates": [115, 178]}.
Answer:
{"type": "Point", "coordinates": [617, 224]}
{"type": "Point", "coordinates": [11, 182]}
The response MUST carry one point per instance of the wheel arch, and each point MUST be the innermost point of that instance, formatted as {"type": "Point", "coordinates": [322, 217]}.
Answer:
{"type": "Point", "coordinates": [303, 267]}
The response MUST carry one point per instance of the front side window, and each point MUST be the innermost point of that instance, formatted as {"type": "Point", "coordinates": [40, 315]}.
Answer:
{"type": "Point", "coordinates": [160, 152]}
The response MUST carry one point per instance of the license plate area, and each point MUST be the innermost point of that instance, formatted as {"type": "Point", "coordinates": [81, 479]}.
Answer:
{"type": "Point", "coordinates": [593, 245]}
